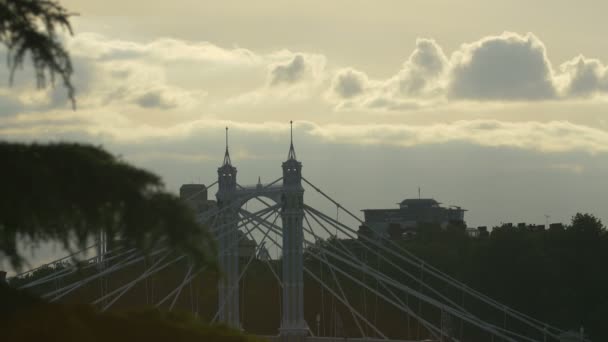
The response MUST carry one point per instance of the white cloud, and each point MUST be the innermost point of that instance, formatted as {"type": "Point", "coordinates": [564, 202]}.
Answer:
{"type": "Point", "coordinates": [134, 92]}
{"type": "Point", "coordinates": [505, 67]}
{"type": "Point", "coordinates": [584, 77]}
{"type": "Point", "coordinates": [170, 75]}
{"type": "Point", "coordinates": [502, 68]}
{"type": "Point", "coordinates": [102, 48]}
{"type": "Point", "coordinates": [553, 136]}
{"type": "Point", "coordinates": [423, 71]}
{"type": "Point", "coordinates": [420, 78]}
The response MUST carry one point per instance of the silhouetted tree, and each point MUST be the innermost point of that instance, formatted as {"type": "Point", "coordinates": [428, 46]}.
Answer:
{"type": "Point", "coordinates": [586, 224]}
{"type": "Point", "coordinates": [70, 192]}
{"type": "Point", "coordinates": [30, 27]}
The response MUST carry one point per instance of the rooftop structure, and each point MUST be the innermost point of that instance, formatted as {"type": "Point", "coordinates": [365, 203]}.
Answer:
{"type": "Point", "coordinates": [412, 212]}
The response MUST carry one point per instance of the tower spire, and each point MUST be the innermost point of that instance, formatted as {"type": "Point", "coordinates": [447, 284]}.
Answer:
{"type": "Point", "coordinates": [227, 160]}
{"type": "Point", "coordinates": [292, 151]}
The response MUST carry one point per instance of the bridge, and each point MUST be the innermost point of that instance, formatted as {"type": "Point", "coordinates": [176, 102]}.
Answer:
{"type": "Point", "coordinates": [417, 293]}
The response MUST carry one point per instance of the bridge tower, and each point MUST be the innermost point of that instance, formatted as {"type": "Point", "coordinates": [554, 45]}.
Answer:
{"type": "Point", "coordinates": [293, 325]}
{"type": "Point", "coordinates": [228, 287]}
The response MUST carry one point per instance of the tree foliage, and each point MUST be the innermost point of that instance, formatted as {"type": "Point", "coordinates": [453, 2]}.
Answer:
{"type": "Point", "coordinates": [31, 27]}
{"type": "Point", "coordinates": [71, 192]}
{"type": "Point", "coordinates": [26, 318]}
{"type": "Point", "coordinates": [555, 275]}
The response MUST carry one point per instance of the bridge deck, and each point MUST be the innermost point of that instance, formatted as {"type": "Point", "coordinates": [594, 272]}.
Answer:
{"type": "Point", "coordinates": [343, 339]}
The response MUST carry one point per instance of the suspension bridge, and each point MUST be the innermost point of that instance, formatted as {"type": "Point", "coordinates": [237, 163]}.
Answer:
{"type": "Point", "coordinates": [345, 266]}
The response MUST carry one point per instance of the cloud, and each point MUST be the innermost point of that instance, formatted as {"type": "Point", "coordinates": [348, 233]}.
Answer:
{"type": "Point", "coordinates": [550, 137]}
{"type": "Point", "coordinates": [505, 67]}
{"type": "Point", "coordinates": [102, 48]}
{"type": "Point", "coordinates": [349, 83]}
{"type": "Point", "coordinates": [421, 73]}
{"type": "Point", "coordinates": [171, 75]}
{"type": "Point", "coordinates": [291, 77]}
{"type": "Point", "coordinates": [134, 91]}
{"type": "Point", "coordinates": [419, 78]}
{"type": "Point", "coordinates": [288, 73]}
{"type": "Point", "coordinates": [585, 77]}
{"type": "Point", "coordinates": [155, 99]}
{"type": "Point", "coordinates": [295, 69]}
{"type": "Point", "coordinates": [555, 136]}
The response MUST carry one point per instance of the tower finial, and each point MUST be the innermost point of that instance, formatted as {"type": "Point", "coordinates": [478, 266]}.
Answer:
{"type": "Point", "coordinates": [227, 160]}
{"type": "Point", "coordinates": [292, 151]}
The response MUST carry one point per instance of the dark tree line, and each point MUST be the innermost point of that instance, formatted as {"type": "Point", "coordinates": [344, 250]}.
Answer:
{"type": "Point", "coordinates": [558, 275]}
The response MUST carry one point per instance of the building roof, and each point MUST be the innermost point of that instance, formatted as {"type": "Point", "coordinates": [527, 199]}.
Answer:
{"type": "Point", "coordinates": [418, 202]}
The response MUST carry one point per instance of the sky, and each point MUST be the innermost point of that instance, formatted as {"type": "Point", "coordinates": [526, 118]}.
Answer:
{"type": "Point", "coordinates": [498, 107]}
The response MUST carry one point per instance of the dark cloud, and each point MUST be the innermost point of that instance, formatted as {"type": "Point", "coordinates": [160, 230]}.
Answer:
{"type": "Point", "coordinates": [289, 73]}
{"type": "Point", "coordinates": [349, 83]}
{"type": "Point", "coordinates": [155, 99]}
{"type": "Point", "coordinates": [506, 67]}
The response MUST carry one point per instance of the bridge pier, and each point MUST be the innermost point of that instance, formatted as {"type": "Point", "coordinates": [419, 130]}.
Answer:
{"type": "Point", "coordinates": [293, 326]}
{"type": "Point", "coordinates": [228, 287]}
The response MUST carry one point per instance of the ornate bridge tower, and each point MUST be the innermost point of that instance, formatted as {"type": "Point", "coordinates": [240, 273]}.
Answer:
{"type": "Point", "coordinates": [293, 325]}
{"type": "Point", "coordinates": [228, 287]}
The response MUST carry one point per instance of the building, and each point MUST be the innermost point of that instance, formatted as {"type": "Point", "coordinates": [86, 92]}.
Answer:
{"type": "Point", "coordinates": [195, 196]}
{"type": "Point", "coordinates": [473, 232]}
{"type": "Point", "coordinates": [247, 246]}
{"type": "Point", "coordinates": [407, 219]}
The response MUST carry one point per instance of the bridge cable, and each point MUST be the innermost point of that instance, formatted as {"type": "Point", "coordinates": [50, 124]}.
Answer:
{"type": "Point", "coordinates": [437, 273]}
{"type": "Point", "coordinates": [351, 255]}
{"type": "Point", "coordinates": [273, 227]}
{"type": "Point", "coordinates": [128, 286]}
{"type": "Point", "coordinates": [469, 318]}
{"type": "Point", "coordinates": [239, 279]}
{"type": "Point", "coordinates": [331, 221]}
{"type": "Point", "coordinates": [272, 270]}
{"type": "Point", "coordinates": [201, 270]}
{"type": "Point", "coordinates": [317, 239]}
{"type": "Point", "coordinates": [69, 288]}
{"type": "Point", "coordinates": [342, 272]}
{"type": "Point", "coordinates": [314, 213]}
